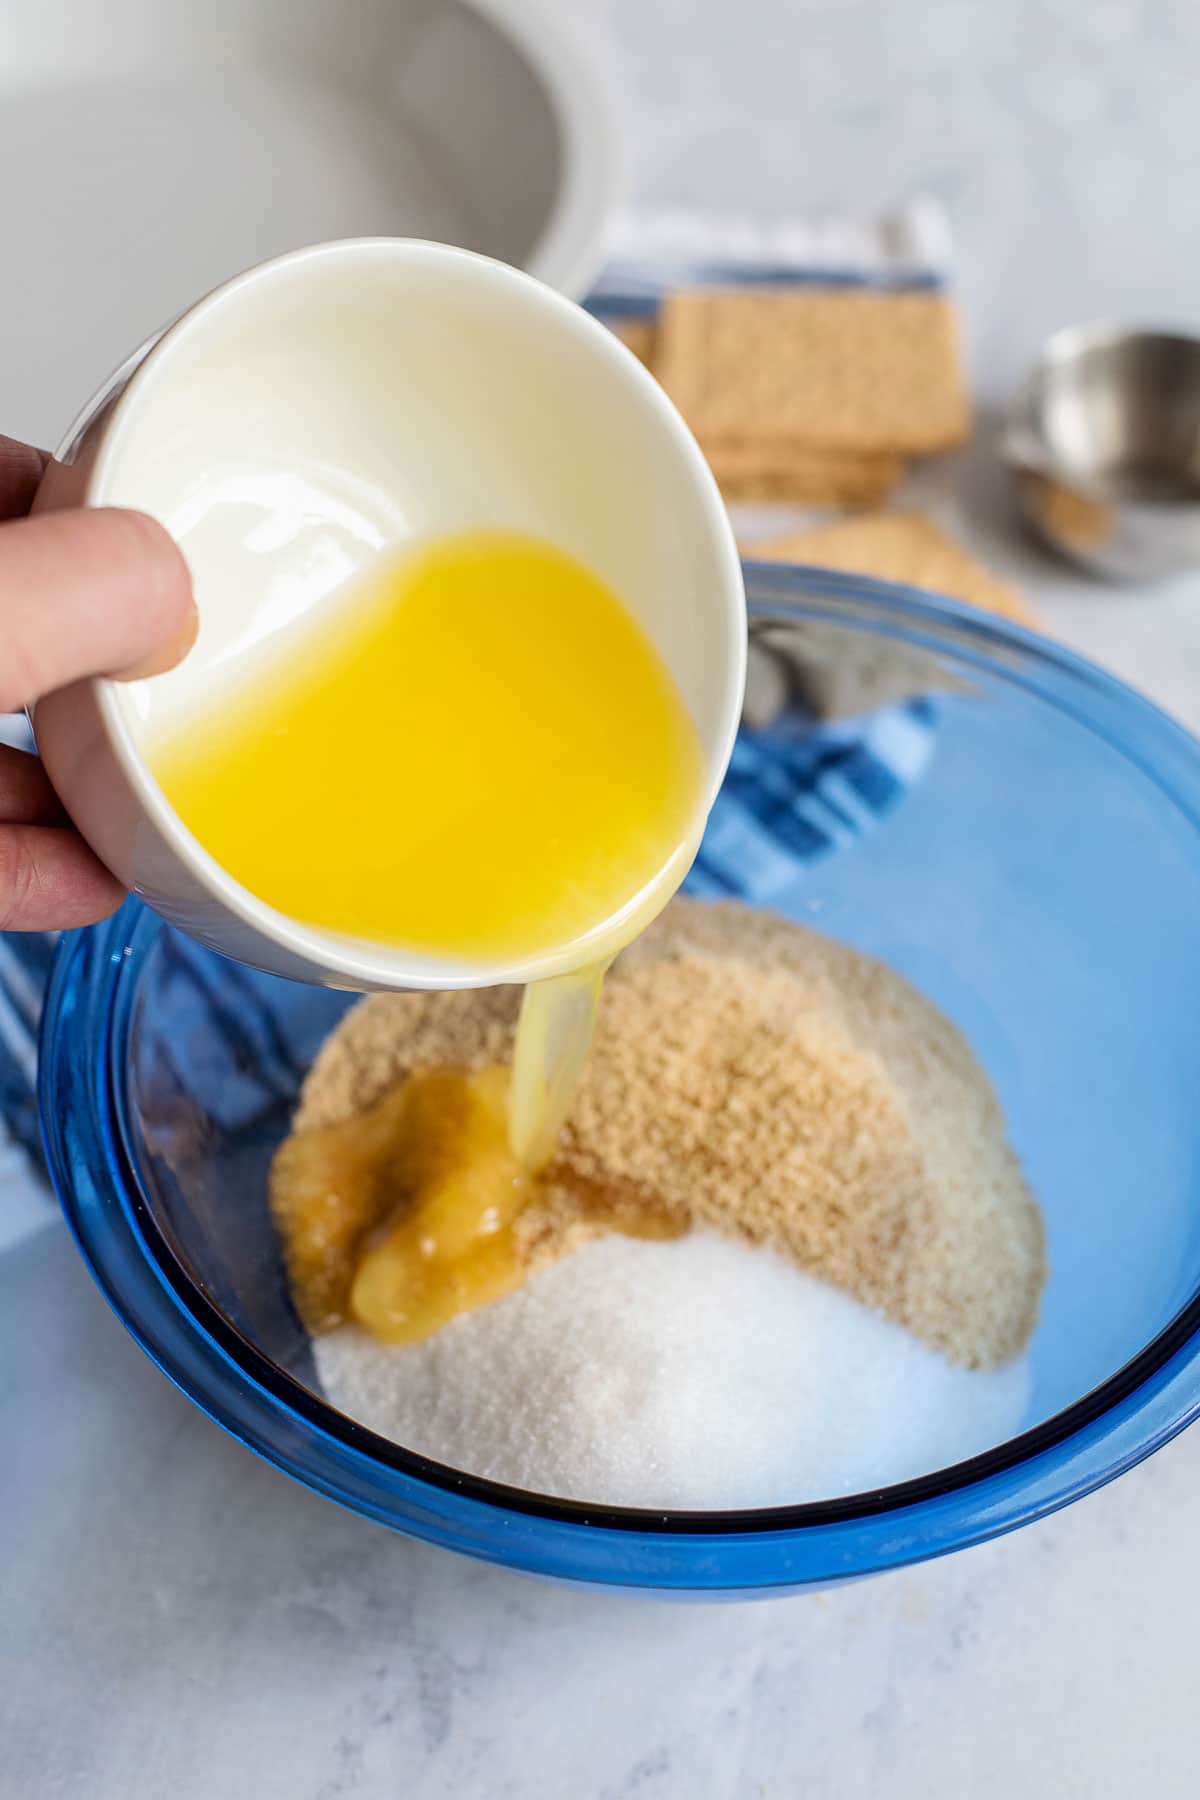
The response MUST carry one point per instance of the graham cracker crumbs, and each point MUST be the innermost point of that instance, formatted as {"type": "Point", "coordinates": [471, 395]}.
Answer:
{"type": "Point", "coordinates": [757, 1079]}
{"type": "Point", "coordinates": [816, 368]}
{"type": "Point", "coordinates": [906, 547]}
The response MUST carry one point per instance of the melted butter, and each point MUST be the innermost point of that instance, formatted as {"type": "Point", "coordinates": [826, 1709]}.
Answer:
{"type": "Point", "coordinates": [475, 753]}
{"type": "Point", "coordinates": [554, 1035]}
{"type": "Point", "coordinates": [452, 1246]}
{"type": "Point", "coordinates": [558, 1021]}
{"type": "Point", "coordinates": [405, 1216]}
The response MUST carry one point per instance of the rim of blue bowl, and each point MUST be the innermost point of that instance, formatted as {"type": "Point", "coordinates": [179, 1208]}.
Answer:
{"type": "Point", "coordinates": [90, 1151]}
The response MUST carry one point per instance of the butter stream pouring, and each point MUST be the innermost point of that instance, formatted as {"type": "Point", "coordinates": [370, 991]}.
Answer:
{"type": "Point", "coordinates": [479, 753]}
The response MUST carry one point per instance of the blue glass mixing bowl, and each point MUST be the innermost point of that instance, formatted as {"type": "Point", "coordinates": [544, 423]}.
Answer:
{"type": "Point", "coordinates": [1039, 879]}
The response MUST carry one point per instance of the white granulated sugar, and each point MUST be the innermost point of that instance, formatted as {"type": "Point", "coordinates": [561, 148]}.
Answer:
{"type": "Point", "coordinates": [695, 1374]}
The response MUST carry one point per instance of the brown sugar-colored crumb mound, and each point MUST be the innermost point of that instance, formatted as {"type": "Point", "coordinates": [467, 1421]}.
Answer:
{"type": "Point", "coordinates": [869, 1137]}
{"type": "Point", "coordinates": [816, 367]}
{"type": "Point", "coordinates": [906, 547]}
{"type": "Point", "coordinates": [757, 1079]}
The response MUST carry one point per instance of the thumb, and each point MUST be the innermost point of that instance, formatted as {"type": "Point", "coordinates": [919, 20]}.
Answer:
{"type": "Point", "coordinates": [98, 591]}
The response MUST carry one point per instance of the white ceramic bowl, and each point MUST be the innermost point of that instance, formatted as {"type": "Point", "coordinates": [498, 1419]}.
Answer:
{"type": "Point", "coordinates": [178, 143]}
{"type": "Point", "coordinates": [317, 410]}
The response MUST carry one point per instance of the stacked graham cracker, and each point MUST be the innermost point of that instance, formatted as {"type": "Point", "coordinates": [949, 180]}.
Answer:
{"type": "Point", "coordinates": [813, 395]}
{"type": "Point", "coordinates": [823, 396]}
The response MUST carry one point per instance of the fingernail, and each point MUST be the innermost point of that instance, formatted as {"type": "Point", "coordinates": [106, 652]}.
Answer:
{"type": "Point", "coordinates": [169, 657]}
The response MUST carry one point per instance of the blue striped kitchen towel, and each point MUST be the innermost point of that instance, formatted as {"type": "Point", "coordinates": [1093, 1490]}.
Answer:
{"type": "Point", "coordinates": [796, 792]}
{"type": "Point", "coordinates": [792, 797]}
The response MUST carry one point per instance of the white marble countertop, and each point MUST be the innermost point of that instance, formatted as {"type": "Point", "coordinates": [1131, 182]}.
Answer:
{"type": "Point", "coordinates": [176, 1618]}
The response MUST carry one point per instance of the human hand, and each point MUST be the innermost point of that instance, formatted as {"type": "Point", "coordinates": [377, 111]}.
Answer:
{"type": "Point", "coordinates": [100, 591]}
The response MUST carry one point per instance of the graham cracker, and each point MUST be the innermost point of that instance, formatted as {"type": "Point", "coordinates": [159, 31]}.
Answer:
{"type": "Point", "coordinates": [638, 335]}
{"type": "Point", "coordinates": [906, 547]}
{"type": "Point", "coordinates": [823, 368]}
{"type": "Point", "coordinates": [750, 469]}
